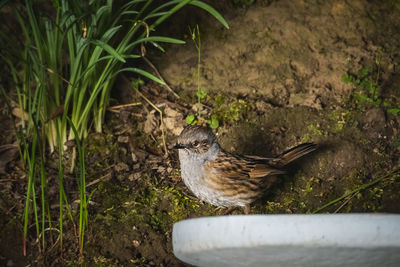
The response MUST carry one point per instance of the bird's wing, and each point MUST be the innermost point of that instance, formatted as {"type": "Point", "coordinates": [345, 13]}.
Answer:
{"type": "Point", "coordinates": [238, 176]}
{"type": "Point", "coordinates": [237, 167]}
{"type": "Point", "coordinates": [262, 170]}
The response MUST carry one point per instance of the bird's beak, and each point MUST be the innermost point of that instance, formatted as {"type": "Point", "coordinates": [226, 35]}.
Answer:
{"type": "Point", "coordinates": [178, 146]}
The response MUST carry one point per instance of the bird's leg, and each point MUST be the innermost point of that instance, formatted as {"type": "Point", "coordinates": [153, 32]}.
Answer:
{"type": "Point", "coordinates": [246, 209]}
{"type": "Point", "coordinates": [228, 210]}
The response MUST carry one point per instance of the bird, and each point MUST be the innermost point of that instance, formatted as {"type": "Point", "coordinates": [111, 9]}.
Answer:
{"type": "Point", "coordinates": [227, 180]}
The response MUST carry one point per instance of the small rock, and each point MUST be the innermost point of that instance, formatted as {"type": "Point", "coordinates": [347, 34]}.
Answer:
{"type": "Point", "coordinates": [136, 243]}
{"type": "Point", "coordinates": [151, 122]}
{"type": "Point", "coordinates": [121, 177]}
{"type": "Point", "coordinates": [123, 151]}
{"type": "Point", "coordinates": [304, 99]}
{"type": "Point", "coordinates": [123, 139]}
{"type": "Point", "coordinates": [140, 154]}
{"type": "Point", "coordinates": [169, 112]}
{"type": "Point", "coordinates": [134, 176]}
{"type": "Point", "coordinates": [134, 157]}
{"type": "Point", "coordinates": [262, 106]}
{"type": "Point", "coordinates": [173, 121]}
{"type": "Point", "coordinates": [136, 166]}
{"type": "Point", "coordinates": [121, 167]}
{"type": "Point", "coordinates": [160, 169]}
{"type": "Point", "coordinates": [124, 114]}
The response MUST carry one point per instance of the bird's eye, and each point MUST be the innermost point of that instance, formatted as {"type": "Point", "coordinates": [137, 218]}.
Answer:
{"type": "Point", "coordinates": [196, 143]}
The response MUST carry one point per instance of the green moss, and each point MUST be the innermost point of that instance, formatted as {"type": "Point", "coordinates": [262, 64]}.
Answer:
{"type": "Point", "coordinates": [313, 131]}
{"type": "Point", "coordinates": [100, 147]}
{"type": "Point", "coordinates": [180, 204]}
{"type": "Point", "coordinates": [233, 112]}
{"type": "Point", "coordinates": [288, 200]}
{"type": "Point", "coordinates": [309, 185]}
{"type": "Point", "coordinates": [338, 120]}
{"type": "Point", "coordinates": [103, 261]}
{"type": "Point", "coordinates": [273, 207]}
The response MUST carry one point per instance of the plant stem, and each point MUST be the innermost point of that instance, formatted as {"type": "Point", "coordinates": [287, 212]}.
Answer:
{"type": "Point", "coordinates": [377, 180]}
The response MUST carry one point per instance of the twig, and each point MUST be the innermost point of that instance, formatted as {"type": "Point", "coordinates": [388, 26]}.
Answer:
{"type": "Point", "coordinates": [160, 77]}
{"type": "Point", "coordinates": [59, 76]}
{"type": "Point", "coordinates": [104, 177]}
{"type": "Point", "coordinates": [377, 180]}
{"type": "Point", "coordinates": [116, 108]}
{"type": "Point", "coordinates": [169, 103]}
{"type": "Point", "coordinates": [37, 241]}
{"type": "Point", "coordinates": [161, 121]}
{"type": "Point", "coordinates": [344, 203]}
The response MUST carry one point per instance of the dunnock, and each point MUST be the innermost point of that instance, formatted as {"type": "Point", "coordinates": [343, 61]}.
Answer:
{"type": "Point", "coordinates": [226, 180]}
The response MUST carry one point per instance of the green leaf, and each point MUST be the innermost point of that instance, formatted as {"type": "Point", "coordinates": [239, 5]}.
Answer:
{"type": "Point", "coordinates": [130, 12]}
{"type": "Point", "coordinates": [212, 11]}
{"type": "Point", "coordinates": [109, 49]}
{"type": "Point", "coordinates": [174, 9]}
{"type": "Point", "coordinates": [346, 78]}
{"type": "Point", "coordinates": [219, 100]}
{"type": "Point", "coordinates": [365, 98]}
{"type": "Point", "coordinates": [201, 94]}
{"type": "Point", "coordinates": [155, 39]}
{"type": "Point", "coordinates": [365, 72]}
{"type": "Point", "coordinates": [394, 111]}
{"type": "Point", "coordinates": [214, 123]}
{"type": "Point", "coordinates": [156, 45]}
{"type": "Point", "coordinates": [153, 15]}
{"type": "Point", "coordinates": [110, 33]}
{"type": "Point", "coordinates": [190, 119]}
{"type": "Point", "coordinates": [145, 74]}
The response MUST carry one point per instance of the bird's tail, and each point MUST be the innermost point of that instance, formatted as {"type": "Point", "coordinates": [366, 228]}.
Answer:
{"type": "Point", "coordinates": [294, 153]}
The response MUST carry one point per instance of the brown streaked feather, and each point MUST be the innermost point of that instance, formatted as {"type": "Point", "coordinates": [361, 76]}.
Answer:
{"type": "Point", "coordinates": [238, 168]}
{"type": "Point", "coordinates": [247, 177]}
{"type": "Point", "coordinates": [294, 153]}
{"type": "Point", "coordinates": [262, 170]}
{"type": "Point", "coordinates": [242, 176]}
{"type": "Point", "coordinates": [288, 156]}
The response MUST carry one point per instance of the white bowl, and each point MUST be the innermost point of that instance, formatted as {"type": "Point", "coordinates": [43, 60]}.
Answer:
{"type": "Point", "coordinates": [289, 240]}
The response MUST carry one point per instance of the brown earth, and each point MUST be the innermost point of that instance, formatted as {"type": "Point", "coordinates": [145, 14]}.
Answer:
{"type": "Point", "coordinates": [273, 80]}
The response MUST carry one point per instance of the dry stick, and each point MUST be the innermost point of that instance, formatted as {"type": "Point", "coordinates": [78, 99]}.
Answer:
{"type": "Point", "coordinates": [169, 103]}
{"type": "Point", "coordinates": [116, 108]}
{"type": "Point", "coordinates": [344, 203]}
{"type": "Point", "coordinates": [47, 230]}
{"type": "Point", "coordinates": [161, 120]}
{"type": "Point", "coordinates": [358, 189]}
{"type": "Point", "coordinates": [104, 177]}
{"type": "Point", "coordinates": [59, 76]}
{"type": "Point", "coordinates": [160, 77]}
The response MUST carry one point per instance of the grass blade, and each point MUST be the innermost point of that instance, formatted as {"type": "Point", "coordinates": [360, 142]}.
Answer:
{"type": "Point", "coordinates": [210, 10]}
{"type": "Point", "coordinates": [109, 49]}
{"type": "Point", "coordinates": [145, 74]}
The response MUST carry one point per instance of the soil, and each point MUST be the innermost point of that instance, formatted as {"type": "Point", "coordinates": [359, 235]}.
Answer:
{"type": "Point", "coordinates": [286, 72]}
